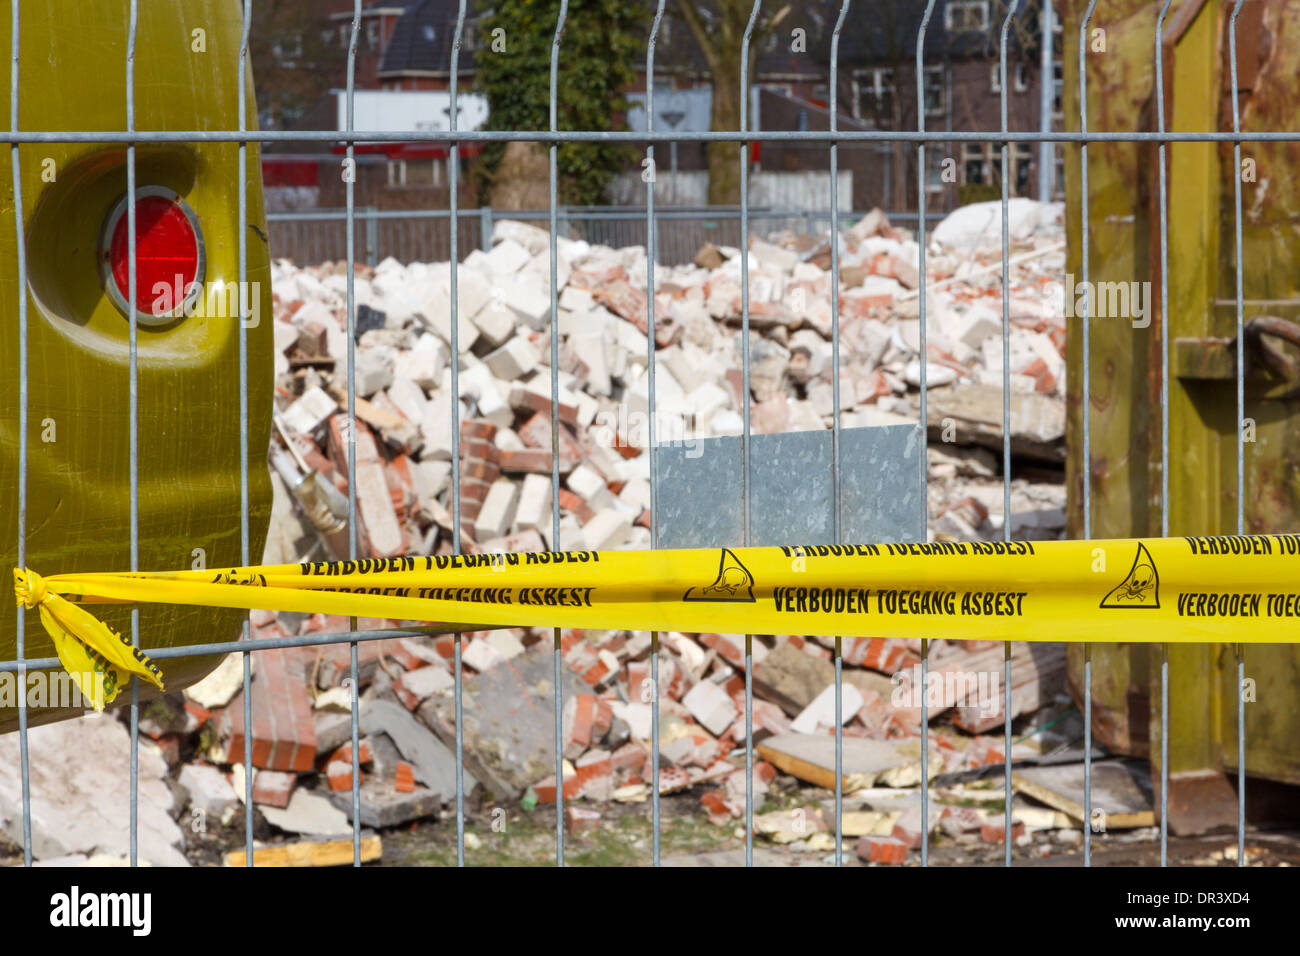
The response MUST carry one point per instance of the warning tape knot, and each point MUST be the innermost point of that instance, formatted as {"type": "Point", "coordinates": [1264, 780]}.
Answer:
{"type": "Point", "coordinates": [29, 588]}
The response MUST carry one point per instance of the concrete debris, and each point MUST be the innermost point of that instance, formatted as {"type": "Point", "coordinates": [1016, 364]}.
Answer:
{"type": "Point", "coordinates": [80, 793]}
{"type": "Point", "coordinates": [503, 461]}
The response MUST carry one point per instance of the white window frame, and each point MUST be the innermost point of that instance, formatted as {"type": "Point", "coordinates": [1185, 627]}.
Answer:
{"type": "Point", "coordinates": [1020, 79]}
{"type": "Point", "coordinates": [934, 160]}
{"type": "Point", "coordinates": [966, 7]}
{"type": "Point", "coordinates": [940, 72]}
{"type": "Point", "coordinates": [995, 78]}
{"type": "Point", "coordinates": [879, 80]}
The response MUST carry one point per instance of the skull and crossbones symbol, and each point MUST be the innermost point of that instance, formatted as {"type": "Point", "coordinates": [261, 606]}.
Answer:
{"type": "Point", "coordinates": [729, 581]}
{"type": "Point", "coordinates": [1137, 585]}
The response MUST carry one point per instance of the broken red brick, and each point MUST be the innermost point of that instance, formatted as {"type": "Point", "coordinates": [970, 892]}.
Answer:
{"type": "Point", "coordinates": [405, 780]}
{"type": "Point", "coordinates": [273, 787]}
{"type": "Point", "coordinates": [579, 820]}
{"type": "Point", "coordinates": [877, 849]}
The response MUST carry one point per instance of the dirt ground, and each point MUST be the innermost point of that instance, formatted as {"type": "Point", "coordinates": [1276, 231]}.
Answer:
{"type": "Point", "coordinates": [511, 836]}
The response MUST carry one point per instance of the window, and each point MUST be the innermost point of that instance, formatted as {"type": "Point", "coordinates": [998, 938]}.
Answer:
{"type": "Point", "coordinates": [975, 163]}
{"type": "Point", "coordinates": [1022, 160]}
{"type": "Point", "coordinates": [981, 163]}
{"type": "Point", "coordinates": [416, 172]}
{"type": "Point", "coordinates": [961, 16]}
{"type": "Point", "coordinates": [934, 90]}
{"type": "Point", "coordinates": [995, 78]}
{"type": "Point", "coordinates": [1021, 78]}
{"type": "Point", "coordinates": [372, 35]}
{"type": "Point", "coordinates": [874, 97]}
{"type": "Point", "coordinates": [1058, 91]}
{"type": "Point", "coordinates": [934, 160]}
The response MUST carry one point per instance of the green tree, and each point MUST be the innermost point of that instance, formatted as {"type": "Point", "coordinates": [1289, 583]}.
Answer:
{"type": "Point", "coordinates": [603, 41]}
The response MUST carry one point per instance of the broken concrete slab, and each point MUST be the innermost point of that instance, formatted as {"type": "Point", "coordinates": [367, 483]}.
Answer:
{"type": "Point", "coordinates": [1121, 791]}
{"type": "Point", "coordinates": [80, 793]}
{"type": "Point", "coordinates": [866, 763]}
{"type": "Point", "coordinates": [791, 678]}
{"type": "Point", "coordinates": [434, 764]}
{"type": "Point", "coordinates": [509, 714]}
{"type": "Point", "coordinates": [383, 806]}
{"type": "Point", "coordinates": [308, 813]}
{"type": "Point", "coordinates": [975, 413]}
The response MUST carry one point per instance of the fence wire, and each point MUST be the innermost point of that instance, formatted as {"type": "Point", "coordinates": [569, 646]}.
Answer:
{"type": "Point", "coordinates": [552, 137]}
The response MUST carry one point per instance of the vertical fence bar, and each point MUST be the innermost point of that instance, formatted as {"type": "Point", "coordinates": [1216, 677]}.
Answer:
{"type": "Point", "coordinates": [922, 424]}
{"type": "Point", "coordinates": [744, 398]}
{"type": "Point", "coordinates": [1241, 425]}
{"type": "Point", "coordinates": [133, 426]}
{"type": "Point", "coordinates": [1006, 406]}
{"type": "Point", "coordinates": [1087, 421]}
{"type": "Point", "coordinates": [555, 423]}
{"type": "Point", "coordinates": [835, 419]}
{"type": "Point", "coordinates": [244, 556]}
{"type": "Point", "coordinates": [20, 651]}
{"type": "Point", "coordinates": [453, 182]}
{"type": "Point", "coordinates": [1164, 421]}
{"type": "Point", "coordinates": [652, 259]}
{"type": "Point", "coordinates": [350, 183]}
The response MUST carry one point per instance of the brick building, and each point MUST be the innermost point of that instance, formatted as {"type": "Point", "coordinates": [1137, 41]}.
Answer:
{"type": "Point", "coordinates": [405, 49]}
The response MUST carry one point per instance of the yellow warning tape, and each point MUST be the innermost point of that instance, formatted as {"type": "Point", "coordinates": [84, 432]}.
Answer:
{"type": "Point", "coordinates": [1239, 589]}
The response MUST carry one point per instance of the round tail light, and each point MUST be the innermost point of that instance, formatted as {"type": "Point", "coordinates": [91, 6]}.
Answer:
{"type": "Point", "coordinates": [169, 259]}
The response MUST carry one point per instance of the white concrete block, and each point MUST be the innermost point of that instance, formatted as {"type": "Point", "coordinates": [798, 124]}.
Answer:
{"type": "Point", "coordinates": [590, 350]}
{"type": "Point", "coordinates": [590, 487]}
{"type": "Point", "coordinates": [710, 705]}
{"type": "Point", "coordinates": [409, 399]}
{"type": "Point", "coordinates": [977, 324]}
{"type": "Point", "coordinates": [506, 644]}
{"type": "Point", "coordinates": [481, 655]}
{"type": "Point", "coordinates": [309, 411]}
{"type": "Point", "coordinates": [471, 297]}
{"type": "Point", "coordinates": [496, 321]}
{"type": "Point", "coordinates": [498, 511]}
{"type": "Point", "coordinates": [526, 296]}
{"type": "Point", "coordinates": [532, 238]}
{"type": "Point", "coordinates": [422, 364]}
{"type": "Point", "coordinates": [374, 369]}
{"type": "Point", "coordinates": [636, 494]}
{"type": "Point", "coordinates": [820, 714]}
{"type": "Point", "coordinates": [436, 426]}
{"type": "Point", "coordinates": [506, 257]}
{"type": "Point", "coordinates": [513, 360]}
{"type": "Point", "coordinates": [576, 300]}
{"type": "Point", "coordinates": [534, 507]}
{"type": "Point", "coordinates": [507, 440]}
{"type": "Point", "coordinates": [609, 529]}
{"type": "Point", "coordinates": [431, 477]}
{"type": "Point", "coordinates": [490, 398]}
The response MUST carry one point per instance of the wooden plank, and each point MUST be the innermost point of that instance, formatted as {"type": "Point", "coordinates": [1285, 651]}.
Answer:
{"type": "Point", "coordinates": [326, 853]}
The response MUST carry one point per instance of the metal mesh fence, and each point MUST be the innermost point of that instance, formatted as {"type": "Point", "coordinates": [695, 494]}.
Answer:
{"type": "Point", "coordinates": [652, 228]}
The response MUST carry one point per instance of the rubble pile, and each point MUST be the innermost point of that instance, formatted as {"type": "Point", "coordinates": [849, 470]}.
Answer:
{"type": "Point", "coordinates": [301, 701]}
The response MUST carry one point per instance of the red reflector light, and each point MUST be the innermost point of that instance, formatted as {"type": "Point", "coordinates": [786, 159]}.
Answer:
{"type": "Point", "coordinates": [168, 255]}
